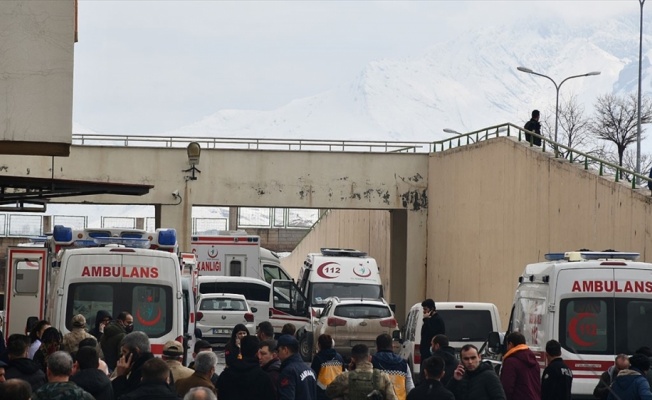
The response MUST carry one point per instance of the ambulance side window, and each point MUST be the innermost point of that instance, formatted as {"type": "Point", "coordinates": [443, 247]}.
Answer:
{"type": "Point", "coordinates": [235, 268]}
{"type": "Point", "coordinates": [26, 277]}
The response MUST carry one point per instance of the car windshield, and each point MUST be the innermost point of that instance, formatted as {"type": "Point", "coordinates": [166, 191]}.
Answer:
{"type": "Point", "coordinates": [362, 311]}
{"type": "Point", "coordinates": [223, 304]}
{"type": "Point", "coordinates": [320, 291]}
{"type": "Point", "coordinates": [466, 325]}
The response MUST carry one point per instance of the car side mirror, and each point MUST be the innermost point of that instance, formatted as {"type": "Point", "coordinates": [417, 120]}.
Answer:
{"type": "Point", "coordinates": [396, 335]}
{"type": "Point", "coordinates": [493, 341]}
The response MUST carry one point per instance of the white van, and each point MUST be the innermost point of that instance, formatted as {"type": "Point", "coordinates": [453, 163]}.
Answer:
{"type": "Point", "coordinates": [596, 304]}
{"type": "Point", "coordinates": [466, 323]}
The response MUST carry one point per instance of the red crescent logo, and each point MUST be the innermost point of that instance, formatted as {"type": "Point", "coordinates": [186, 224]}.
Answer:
{"type": "Point", "coordinates": [212, 253]}
{"type": "Point", "coordinates": [572, 329]}
{"type": "Point", "coordinates": [329, 273]}
{"type": "Point", "coordinates": [145, 322]}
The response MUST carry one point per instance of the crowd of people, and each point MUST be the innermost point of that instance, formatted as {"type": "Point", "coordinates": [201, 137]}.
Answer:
{"type": "Point", "coordinates": [113, 362]}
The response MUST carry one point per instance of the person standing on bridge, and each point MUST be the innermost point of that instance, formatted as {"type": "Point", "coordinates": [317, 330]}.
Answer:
{"type": "Point", "coordinates": [533, 125]}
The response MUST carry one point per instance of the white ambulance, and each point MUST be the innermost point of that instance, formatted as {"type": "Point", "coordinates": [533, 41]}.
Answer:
{"type": "Point", "coordinates": [82, 272]}
{"type": "Point", "coordinates": [235, 253]}
{"type": "Point", "coordinates": [596, 304]}
{"type": "Point", "coordinates": [333, 272]}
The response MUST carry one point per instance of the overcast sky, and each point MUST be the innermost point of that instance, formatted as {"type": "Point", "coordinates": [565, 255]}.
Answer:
{"type": "Point", "coordinates": [145, 67]}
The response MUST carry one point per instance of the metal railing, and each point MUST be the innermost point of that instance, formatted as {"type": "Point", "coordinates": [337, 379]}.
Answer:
{"type": "Point", "coordinates": [573, 156]}
{"type": "Point", "coordinates": [252, 143]}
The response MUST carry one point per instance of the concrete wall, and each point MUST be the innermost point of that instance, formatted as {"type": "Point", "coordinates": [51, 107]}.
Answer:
{"type": "Point", "coordinates": [278, 240]}
{"type": "Point", "coordinates": [498, 205]}
{"type": "Point", "coordinates": [36, 42]}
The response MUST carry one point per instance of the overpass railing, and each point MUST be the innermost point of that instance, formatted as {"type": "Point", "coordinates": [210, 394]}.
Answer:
{"type": "Point", "coordinates": [588, 161]}
{"type": "Point", "coordinates": [85, 139]}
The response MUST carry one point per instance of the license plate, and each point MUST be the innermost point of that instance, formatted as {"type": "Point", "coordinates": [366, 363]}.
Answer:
{"type": "Point", "coordinates": [220, 331]}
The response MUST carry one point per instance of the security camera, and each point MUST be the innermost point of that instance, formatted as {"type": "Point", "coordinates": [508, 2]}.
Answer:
{"type": "Point", "coordinates": [175, 194]}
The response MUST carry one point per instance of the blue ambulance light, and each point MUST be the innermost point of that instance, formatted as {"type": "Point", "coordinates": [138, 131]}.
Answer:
{"type": "Point", "coordinates": [61, 233]}
{"type": "Point", "coordinates": [86, 243]}
{"type": "Point", "coordinates": [99, 234]}
{"type": "Point", "coordinates": [131, 235]}
{"type": "Point", "coordinates": [167, 237]}
{"type": "Point", "coordinates": [127, 242]}
{"type": "Point", "coordinates": [554, 256]}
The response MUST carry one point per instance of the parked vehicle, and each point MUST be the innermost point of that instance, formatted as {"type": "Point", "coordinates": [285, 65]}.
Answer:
{"type": "Point", "coordinates": [255, 291]}
{"type": "Point", "coordinates": [333, 272]}
{"type": "Point", "coordinates": [355, 321]}
{"type": "Point", "coordinates": [235, 253]}
{"type": "Point", "coordinates": [466, 323]}
{"type": "Point", "coordinates": [596, 304]}
{"type": "Point", "coordinates": [220, 313]}
{"type": "Point", "coordinates": [190, 317]}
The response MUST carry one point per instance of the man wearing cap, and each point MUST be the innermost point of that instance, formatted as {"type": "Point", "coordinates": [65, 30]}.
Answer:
{"type": "Point", "coordinates": [77, 334]}
{"type": "Point", "coordinates": [173, 354]}
{"type": "Point", "coordinates": [296, 380]}
{"type": "Point", "coordinates": [433, 325]}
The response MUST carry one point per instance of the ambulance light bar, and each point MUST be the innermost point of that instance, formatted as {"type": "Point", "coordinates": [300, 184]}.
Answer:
{"type": "Point", "coordinates": [592, 255]}
{"type": "Point", "coordinates": [136, 243]}
{"type": "Point", "coordinates": [342, 252]}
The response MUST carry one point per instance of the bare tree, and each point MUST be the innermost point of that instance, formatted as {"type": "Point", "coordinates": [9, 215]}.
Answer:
{"type": "Point", "coordinates": [616, 119]}
{"type": "Point", "coordinates": [574, 127]}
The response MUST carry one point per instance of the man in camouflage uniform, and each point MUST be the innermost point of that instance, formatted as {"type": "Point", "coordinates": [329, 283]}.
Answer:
{"type": "Point", "coordinates": [77, 334]}
{"type": "Point", "coordinates": [58, 387]}
{"type": "Point", "coordinates": [361, 380]}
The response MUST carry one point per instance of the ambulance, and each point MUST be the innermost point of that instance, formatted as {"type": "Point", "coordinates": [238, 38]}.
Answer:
{"type": "Point", "coordinates": [333, 272]}
{"type": "Point", "coordinates": [235, 253]}
{"type": "Point", "coordinates": [596, 304]}
{"type": "Point", "coordinates": [84, 271]}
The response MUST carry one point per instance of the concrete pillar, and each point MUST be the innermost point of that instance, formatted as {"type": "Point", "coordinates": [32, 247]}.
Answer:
{"type": "Point", "coordinates": [47, 224]}
{"type": "Point", "coordinates": [177, 216]}
{"type": "Point", "coordinates": [409, 239]}
{"type": "Point", "coordinates": [233, 218]}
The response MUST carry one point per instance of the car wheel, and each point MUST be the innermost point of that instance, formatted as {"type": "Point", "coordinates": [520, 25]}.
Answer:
{"type": "Point", "coordinates": [305, 346]}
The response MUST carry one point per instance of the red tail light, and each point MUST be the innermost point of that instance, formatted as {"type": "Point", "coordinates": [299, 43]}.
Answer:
{"type": "Point", "coordinates": [249, 317]}
{"type": "Point", "coordinates": [333, 321]}
{"type": "Point", "coordinates": [417, 354]}
{"type": "Point", "coordinates": [199, 315]}
{"type": "Point", "coordinates": [388, 323]}
{"type": "Point", "coordinates": [179, 339]}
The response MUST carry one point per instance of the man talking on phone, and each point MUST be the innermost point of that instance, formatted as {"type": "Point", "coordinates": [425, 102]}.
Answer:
{"type": "Point", "coordinates": [473, 379]}
{"type": "Point", "coordinates": [433, 325]}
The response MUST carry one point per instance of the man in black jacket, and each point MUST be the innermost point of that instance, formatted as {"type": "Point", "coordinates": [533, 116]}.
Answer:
{"type": "Point", "coordinates": [431, 388]}
{"type": "Point", "coordinates": [473, 379]}
{"type": "Point", "coordinates": [244, 379]}
{"type": "Point", "coordinates": [89, 377]}
{"type": "Point", "coordinates": [433, 325]}
{"type": "Point", "coordinates": [154, 385]}
{"type": "Point", "coordinates": [533, 125]}
{"type": "Point", "coordinates": [441, 348]}
{"type": "Point", "coordinates": [136, 350]}
{"type": "Point", "coordinates": [601, 390]}
{"type": "Point", "coordinates": [557, 378]}
{"type": "Point", "coordinates": [21, 367]}
{"type": "Point", "coordinates": [296, 380]}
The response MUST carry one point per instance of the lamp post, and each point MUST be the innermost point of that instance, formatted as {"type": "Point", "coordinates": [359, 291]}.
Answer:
{"type": "Point", "coordinates": [638, 121]}
{"type": "Point", "coordinates": [454, 132]}
{"type": "Point", "coordinates": [529, 71]}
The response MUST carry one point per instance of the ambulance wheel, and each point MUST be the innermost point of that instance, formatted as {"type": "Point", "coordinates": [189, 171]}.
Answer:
{"type": "Point", "coordinates": [305, 346]}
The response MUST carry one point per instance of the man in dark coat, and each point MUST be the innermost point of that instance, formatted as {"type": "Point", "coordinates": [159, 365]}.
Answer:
{"type": "Point", "coordinates": [631, 383]}
{"type": "Point", "coordinates": [474, 380]}
{"type": "Point", "coordinates": [557, 378]}
{"type": "Point", "coordinates": [154, 384]}
{"type": "Point", "coordinates": [441, 348]}
{"type": "Point", "coordinates": [269, 361]}
{"type": "Point", "coordinates": [21, 367]}
{"type": "Point", "coordinates": [431, 388]}
{"type": "Point", "coordinates": [114, 332]}
{"type": "Point", "coordinates": [296, 380]}
{"type": "Point", "coordinates": [244, 379]}
{"type": "Point", "coordinates": [533, 125]}
{"type": "Point", "coordinates": [205, 363]}
{"type": "Point", "coordinates": [89, 377]}
{"type": "Point", "coordinates": [601, 390]}
{"type": "Point", "coordinates": [433, 325]}
{"type": "Point", "coordinates": [136, 351]}
{"type": "Point", "coordinates": [520, 372]}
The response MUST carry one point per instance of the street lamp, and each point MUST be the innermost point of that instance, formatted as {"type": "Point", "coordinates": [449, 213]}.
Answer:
{"type": "Point", "coordinates": [529, 71]}
{"type": "Point", "coordinates": [638, 121]}
{"type": "Point", "coordinates": [454, 132]}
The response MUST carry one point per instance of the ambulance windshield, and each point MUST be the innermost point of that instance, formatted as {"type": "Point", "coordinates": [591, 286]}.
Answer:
{"type": "Point", "coordinates": [320, 291]}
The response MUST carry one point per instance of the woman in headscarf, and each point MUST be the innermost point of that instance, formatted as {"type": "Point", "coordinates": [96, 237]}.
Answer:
{"type": "Point", "coordinates": [232, 348]}
{"type": "Point", "coordinates": [50, 342]}
{"type": "Point", "coordinates": [102, 319]}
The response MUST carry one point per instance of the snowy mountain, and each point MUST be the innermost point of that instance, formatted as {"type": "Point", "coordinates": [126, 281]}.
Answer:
{"type": "Point", "coordinates": [467, 83]}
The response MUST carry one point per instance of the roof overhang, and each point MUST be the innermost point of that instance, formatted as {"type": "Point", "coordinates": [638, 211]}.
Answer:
{"type": "Point", "coordinates": [25, 192]}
